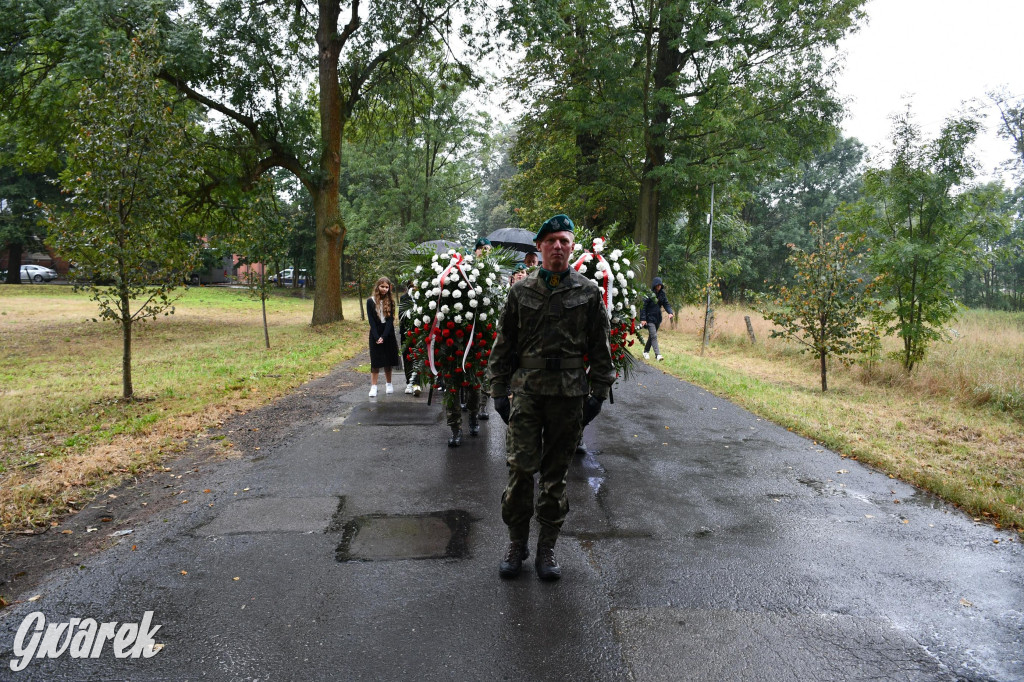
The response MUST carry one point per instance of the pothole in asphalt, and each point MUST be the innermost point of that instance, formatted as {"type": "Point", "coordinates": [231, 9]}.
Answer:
{"type": "Point", "coordinates": [393, 412]}
{"type": "Point", "coordinates": [382, 537]}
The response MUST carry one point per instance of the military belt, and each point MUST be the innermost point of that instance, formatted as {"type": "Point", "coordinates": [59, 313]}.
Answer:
{"type": "Point", "coordinates": [551, 363]}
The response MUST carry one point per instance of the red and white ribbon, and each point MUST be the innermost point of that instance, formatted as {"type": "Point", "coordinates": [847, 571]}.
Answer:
{"type": "Point", "coordinates": [435, 329]}
{"type": "Point", "coordinates": [605, 282]}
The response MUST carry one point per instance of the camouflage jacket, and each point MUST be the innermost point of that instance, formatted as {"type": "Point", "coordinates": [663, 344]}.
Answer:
{"type": "Point", "coordinates": [539, 323]}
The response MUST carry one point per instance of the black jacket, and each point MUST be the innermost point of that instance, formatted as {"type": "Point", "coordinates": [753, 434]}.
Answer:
{"type": "Point", "coordinates": [651, 310]}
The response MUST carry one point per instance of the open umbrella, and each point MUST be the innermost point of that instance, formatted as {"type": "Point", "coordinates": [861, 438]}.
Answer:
{"type": "Point", "coordinates": [514, 238]}
{"type": "Point", "coordinates": [438, 246]}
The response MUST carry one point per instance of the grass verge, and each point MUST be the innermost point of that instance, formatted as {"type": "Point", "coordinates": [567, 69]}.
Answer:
{"type": "Point", "coordinates": [64, 433]}
{"type": "Point", "coordinates": [953, 428]}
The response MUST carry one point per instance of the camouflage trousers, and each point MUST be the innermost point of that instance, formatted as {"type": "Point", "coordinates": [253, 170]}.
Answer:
{"type": "Point", "coordinates": [453, 408]}
{"type": "Point", "coordinates": [543, 432]}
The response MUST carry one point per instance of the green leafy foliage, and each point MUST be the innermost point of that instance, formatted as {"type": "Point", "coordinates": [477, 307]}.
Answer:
{"type": "Point", "coordinates": [262, 238]}
{"type": "Point", "coordinates": [923, 228]}
{"type": "Point", "coordinates": [777, 211]}
{"type": "Point", "coordinates": [824, 307]}
{"type": "Point", "coordinates": [125, 224]}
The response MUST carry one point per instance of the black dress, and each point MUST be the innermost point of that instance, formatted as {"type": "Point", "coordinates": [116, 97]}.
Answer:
{"type": "Point", "coordinates": [382, 355]}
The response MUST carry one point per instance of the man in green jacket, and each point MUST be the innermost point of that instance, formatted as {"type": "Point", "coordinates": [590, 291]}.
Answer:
{"type": "Point", "coordinates": [554, 326]}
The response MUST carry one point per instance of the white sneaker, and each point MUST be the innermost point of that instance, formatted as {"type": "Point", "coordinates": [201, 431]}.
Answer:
{"type": "Point", "coordinates": [388, 389]}
{"type": "Point", "coordinates": [408, 389]}
{"type": "Point", "coordinates": [660, 358]}
{"type": "Point", "coordinates": [416, 390]}
{"type": "Point", "coordinates": [373, 391]}
{"type": "Point", "coordinates": [647, 356]}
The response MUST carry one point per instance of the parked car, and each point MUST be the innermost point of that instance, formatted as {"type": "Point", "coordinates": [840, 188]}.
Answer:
{"type": "Point", "coordinates": [286, 276]}
{"type": "Point", "coordinates": [37, 274]}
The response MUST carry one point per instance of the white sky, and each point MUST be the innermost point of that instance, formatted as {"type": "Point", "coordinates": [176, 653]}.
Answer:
{"type": "Point", "coordinates": [940, 52]}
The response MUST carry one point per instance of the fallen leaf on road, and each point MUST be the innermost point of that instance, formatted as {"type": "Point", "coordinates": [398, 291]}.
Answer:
{"type": "Point", "coordinates": [906, 521]}
{"type": "Point", "coordinates": [207, 490]}
{"type": "Point", "coordinates": [36, 598]}
{"type": "Point", "coordinates": [66, 532]}
{"type": "Point", "coordinates": [184, 572]}
{"type": "Point", "coordinates": [868, 516]}
{"type": "Point", "coordinates": [91, 530]}
{"type": "Point", "coordinates": [134, 547]}
{"type": "Point", "coordinates": [964, 602]}
{"type": "Point", "coordinates": [843, 471]}
{"type": "Point", "coordinates": [119, 533]}
{"type": "Point", "coordinates": [236, 578]}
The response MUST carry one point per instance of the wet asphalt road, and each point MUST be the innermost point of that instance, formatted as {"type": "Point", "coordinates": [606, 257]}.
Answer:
{"type": "Point", "coordinates": [702, 544]}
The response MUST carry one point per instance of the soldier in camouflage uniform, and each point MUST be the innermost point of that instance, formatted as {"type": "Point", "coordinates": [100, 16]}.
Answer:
{"type": "Point", "coordinates": [453, 411]}
{"type": "Point", "coordinates": [553, 325]}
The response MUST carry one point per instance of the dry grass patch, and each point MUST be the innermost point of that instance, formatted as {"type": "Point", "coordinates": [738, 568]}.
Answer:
{"type": "Point", "coordinates": [64, 434]}
{"type": "Point", "coordinates": [953, 427]}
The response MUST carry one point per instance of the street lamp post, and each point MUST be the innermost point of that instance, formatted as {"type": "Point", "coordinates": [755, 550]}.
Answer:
{"type": "Point", "coordinates": [707, 310]}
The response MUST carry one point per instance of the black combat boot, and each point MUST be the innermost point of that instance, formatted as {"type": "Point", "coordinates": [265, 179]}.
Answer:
{"type": "Point", "coordinates": [456, 439]}
{"type": "Point", "coordinates": [547, 567]}
{"type": "Point", "coordinates": [482, 414]}
{"type": "Point", "coordinates": [474, 425]}
{"type": "Point", "coordinates": [516, 553]}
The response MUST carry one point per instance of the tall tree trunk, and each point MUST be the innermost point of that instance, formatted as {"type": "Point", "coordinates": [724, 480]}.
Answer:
{"type": "Point", "coordinates": [646, 231]}
{"type": "Point", "coordinates": [14, 254]}
{"type": "Point", "coordinates": [667, 62]}
{"type": "Point", "coordinates": [330, 228]}
{"type": "Point", "coordinates": [126, 356]}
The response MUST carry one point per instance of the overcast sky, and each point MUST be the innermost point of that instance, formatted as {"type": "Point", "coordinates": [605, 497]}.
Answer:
{"type": "Point", "coordinates": [940, 52]}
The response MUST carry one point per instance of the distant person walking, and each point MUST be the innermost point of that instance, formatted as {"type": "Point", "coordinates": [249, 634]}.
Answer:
{"type": "Point", "coordinates": [380, 311]}
{"type": "Point", "coordinates": [650, 316]}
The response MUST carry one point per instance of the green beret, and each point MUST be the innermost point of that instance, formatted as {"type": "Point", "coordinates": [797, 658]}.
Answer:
{"type": "Point", "coordinates": [558, 223]}
{"type": "Point", "coordinates": [482, 241]}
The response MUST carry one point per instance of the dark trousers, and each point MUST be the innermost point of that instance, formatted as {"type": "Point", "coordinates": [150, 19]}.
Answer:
{"type": "Point", "coordinates": [542, 435]}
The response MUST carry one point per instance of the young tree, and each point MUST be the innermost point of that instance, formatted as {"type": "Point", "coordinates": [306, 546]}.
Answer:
{"type": "Point", "coordinates": [262, 239]}
{"type": "Point", "coordinates": [129, 172]}
{"type": "Point", "coordinates": [827, 301]}
{"type": "Point", "coordinates": [922, 229]}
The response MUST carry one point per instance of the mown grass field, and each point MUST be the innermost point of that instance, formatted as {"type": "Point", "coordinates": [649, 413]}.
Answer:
{"type": "Point", "coordinates": [63, 432]}
{"type": "Point", "coordinates": [955, 427]}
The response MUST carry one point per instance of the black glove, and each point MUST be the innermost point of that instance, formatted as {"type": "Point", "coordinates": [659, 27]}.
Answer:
{"type": "Point", "coordinates": [591, 408]}
{"type": "Point", "coordinates": [503, 407]}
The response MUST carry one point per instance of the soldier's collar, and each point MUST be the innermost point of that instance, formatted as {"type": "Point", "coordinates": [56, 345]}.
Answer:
{"type": "Point", "coordinates": [552, 279]}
